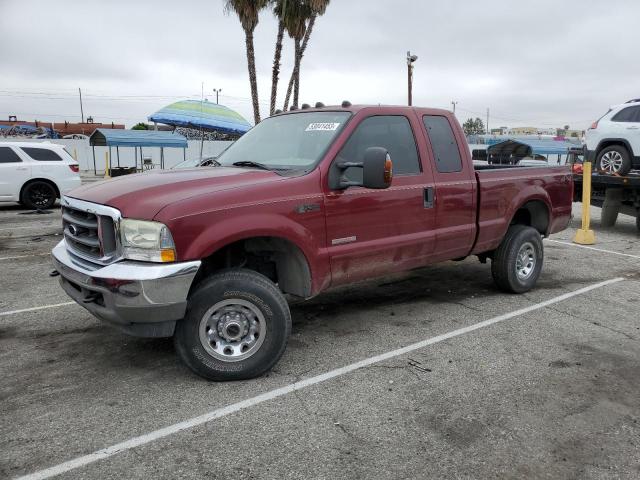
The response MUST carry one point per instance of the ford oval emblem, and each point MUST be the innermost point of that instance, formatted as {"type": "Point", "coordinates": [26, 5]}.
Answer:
{"type": "Point", "coordinates": [73, 230]}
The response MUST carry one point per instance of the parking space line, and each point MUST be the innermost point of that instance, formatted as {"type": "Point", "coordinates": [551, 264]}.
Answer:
{"type": "Point", "coordinates": [279, 392]}
{"type": "Point", "coordinates": [25, 256]}
{"type": "Point", "coordinates": [593, 248]}
{"type": "Point", "coordinates": [33, 309]}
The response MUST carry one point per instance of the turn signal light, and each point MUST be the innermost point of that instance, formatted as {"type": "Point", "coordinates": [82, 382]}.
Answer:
{"type": "Point", "coordinates": [594, 125]}
{"type": "Point", "coordinates": [168, 255]}
{"type": "Point", "coordinates": [388, 170]}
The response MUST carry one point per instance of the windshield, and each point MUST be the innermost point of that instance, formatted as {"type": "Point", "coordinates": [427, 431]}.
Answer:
{"type": "Point", "coordinates": [287, 142]}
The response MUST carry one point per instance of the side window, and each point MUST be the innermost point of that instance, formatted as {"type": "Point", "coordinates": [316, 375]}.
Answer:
{"type": "Point", "coordinates": [392, 132]}
{"type": "Point", "coordinates": [42, 154]}
{"type": "Point", "coordinates": [629, 114]}
{"type": "Point", "coordinates": [7, 155]}
{"type": "Point", "coordinates": [443, 142]}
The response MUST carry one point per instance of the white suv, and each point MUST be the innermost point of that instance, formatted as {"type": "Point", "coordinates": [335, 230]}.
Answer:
{"type": "Point", "coordinates": [35, 174]}
{"type": "Point", "coordinates": [614, 139]}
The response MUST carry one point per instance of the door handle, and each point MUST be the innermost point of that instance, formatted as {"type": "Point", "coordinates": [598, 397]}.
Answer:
{"type": "Point", "coordinates": [429, 197]}
{"type": "Point", "coordinates": [22, 168]}
{"type": "Point", "coordinates": [632, 128]}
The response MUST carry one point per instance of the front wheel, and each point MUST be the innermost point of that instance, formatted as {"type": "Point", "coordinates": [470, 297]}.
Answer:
{"type": "Point", "coordinates": [236, 327]}
{"type": "Point", "coordinates": [517, 262]}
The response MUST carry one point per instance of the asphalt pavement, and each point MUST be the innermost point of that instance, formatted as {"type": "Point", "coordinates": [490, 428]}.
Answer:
{"type": "Point", "coordinates": [547, 387]}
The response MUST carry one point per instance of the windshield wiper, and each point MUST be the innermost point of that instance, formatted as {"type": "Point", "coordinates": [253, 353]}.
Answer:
{"type": "Point", "coordinates": [249, 163]}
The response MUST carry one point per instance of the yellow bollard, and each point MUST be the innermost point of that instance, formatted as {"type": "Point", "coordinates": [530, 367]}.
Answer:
{"type": "Point", "coordinates": [586, 236]}
{"type": "Point", "coordinates": [107, 170]}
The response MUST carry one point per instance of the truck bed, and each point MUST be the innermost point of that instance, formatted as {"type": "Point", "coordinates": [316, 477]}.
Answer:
{"type": "Point", "coordinates": [503, 189]}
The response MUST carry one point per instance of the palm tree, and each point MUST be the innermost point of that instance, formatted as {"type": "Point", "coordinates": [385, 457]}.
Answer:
{"type": "Point", "coordinates": [248, 12]}
{"type": "Point", "coordinates": [299, 26]}
{"type": "Point", "coordinates": [280, 10]}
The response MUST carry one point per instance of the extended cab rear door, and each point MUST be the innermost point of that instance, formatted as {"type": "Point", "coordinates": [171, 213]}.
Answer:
{"type": "Point", "coordinates": [375, 232]}
{"type": "Point", "coordinates": [455, 195]}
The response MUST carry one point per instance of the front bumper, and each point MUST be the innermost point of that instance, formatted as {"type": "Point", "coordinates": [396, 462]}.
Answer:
{"type": "Point", "coordinates": [141, 299]}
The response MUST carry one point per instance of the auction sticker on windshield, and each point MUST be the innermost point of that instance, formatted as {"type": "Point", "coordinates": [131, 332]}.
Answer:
{"type": "Point", "coordinates": [329, 127]}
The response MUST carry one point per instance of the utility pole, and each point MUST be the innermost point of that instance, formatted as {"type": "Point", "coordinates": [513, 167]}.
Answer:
{"type": "Point", "coordinates": [217, 92]}
{"type": "Point", "coordinates": [81, 111]}
{"type": "Point", "coordinates": [410, 61]}
{"type": "Point", "coordinates": [454, 103]}
{"type": "Point", "coordinates": [488, 131]}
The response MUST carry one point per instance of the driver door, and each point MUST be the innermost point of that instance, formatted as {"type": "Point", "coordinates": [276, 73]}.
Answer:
{"type": "Point", "coordinates": [371, 233]}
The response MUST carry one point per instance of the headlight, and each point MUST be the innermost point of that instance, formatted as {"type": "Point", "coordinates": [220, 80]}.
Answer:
{"type": "Point", "coordinates": [147, 241]}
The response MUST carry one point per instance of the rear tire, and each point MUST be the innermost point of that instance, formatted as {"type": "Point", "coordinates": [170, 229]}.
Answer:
{"type": "Point", "coordinates": [38, 195]}
{"type": "Point", "coordinates": [236, 327]}
{"type": "Point", "coordinates": [517, 262]}
{"type": "Point", "coordinates": [614, 160]}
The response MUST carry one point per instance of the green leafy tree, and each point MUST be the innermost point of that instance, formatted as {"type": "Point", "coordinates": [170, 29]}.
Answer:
{"type": "Point", "coordinates": [140, 126]}
{"type": "Point", "coordinates": [473, 126]}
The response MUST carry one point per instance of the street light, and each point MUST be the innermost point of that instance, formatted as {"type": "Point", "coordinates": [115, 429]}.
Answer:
{"type": "Point", "coordinates": [217, 92]}
{"type": "Point", "coordinates": [410, 60]}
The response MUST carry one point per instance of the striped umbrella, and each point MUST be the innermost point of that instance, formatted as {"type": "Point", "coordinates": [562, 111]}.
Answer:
{"type": "Point", "coordinates": [202, 115]}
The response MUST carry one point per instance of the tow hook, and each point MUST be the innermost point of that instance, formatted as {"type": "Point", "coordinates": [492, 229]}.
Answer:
{"type": "Point", "coordinates": [54, 273]}
{"type": "Point", "coordinates": [90, 298]}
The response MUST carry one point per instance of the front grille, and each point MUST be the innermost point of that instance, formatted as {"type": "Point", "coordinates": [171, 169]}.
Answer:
{"type": "Point", "coordinates": [88, 235]}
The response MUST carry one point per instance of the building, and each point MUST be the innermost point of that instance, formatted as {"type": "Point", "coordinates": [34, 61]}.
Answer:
{"type": "Point", "coordinates": [63, 128]}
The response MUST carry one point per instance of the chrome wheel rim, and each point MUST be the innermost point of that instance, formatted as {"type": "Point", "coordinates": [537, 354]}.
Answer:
{"type": "Point", "coordinates": [525, 261]}
{"type": "Point", "coordinates": [611, 162]}
{"type": "Point", "coordinates": [232, 330]}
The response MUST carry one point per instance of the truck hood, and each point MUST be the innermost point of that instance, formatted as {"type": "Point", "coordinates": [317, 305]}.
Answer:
{"type": "Point", "coordinates": [143, 195]}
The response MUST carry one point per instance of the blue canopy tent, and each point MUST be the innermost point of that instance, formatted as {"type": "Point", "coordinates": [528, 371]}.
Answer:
{"type": "Point", "coordinates": [512, 150]}
{"type": "Point", "coordinates": [106, 137]}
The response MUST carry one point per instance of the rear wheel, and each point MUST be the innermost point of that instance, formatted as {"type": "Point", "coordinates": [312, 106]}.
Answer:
{"type": "Point", "coordinates": [614, 160]}
{"type": "Point", "coordinates": [39, 195]}
{"type": "Point", "coordinates": [236, 327]}
{"type": "Point", "coordinates": [517, 262]}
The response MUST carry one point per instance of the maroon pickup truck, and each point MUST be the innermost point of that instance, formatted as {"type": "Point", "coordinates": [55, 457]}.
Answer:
{"type": "Point", "coordinates": [305, 201]}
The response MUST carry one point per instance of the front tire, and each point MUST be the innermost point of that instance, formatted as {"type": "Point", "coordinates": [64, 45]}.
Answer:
{"type": "Point", "coordinates": [39, 195]}
{"type": "Point", "coordinates": [517, 262]}
{"type": "Point", "coordinates": [614, 160]}
{"type": "Point", "coordinates": [236, 327]}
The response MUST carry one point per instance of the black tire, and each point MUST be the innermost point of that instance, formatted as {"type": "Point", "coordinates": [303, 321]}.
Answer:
{"type": "Point", "coordinates": [614, 160]}
{"type": "Point", "coordinates": [508, 274]}
{"type": "Point", "coordinates": [38, 195]}
{"type": "Point", "coordinates": [638, 221]}
{"type": "Point", "coordinates": [252, 299]}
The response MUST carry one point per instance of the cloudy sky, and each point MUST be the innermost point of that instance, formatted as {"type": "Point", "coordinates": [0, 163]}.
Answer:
{"type": "Point", "coordinates": [542, 63]}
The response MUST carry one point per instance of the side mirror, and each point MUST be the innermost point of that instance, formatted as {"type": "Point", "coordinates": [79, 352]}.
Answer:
{"type": "Point", "coordinates": [377, 168]}
{"type": "Point", "coordinates": [377, 171]}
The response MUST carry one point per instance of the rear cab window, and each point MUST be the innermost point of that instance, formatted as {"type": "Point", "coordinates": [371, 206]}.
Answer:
{"type": "Point", "coordinates": [42, 154]}
{"type": "Point", "coordinates": [392, 132]}
{"type": "Point", "coordinates": [7, 155]}
{"type": "Point", "coordinates": [443, 142]}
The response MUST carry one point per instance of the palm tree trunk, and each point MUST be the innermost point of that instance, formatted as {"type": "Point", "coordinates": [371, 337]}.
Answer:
{"type": "Point", "coordinates": [276, 67]}
{"type": "Point", "coordinates": [253, 81]}
{"type": "Point", "coordinates": [299, 54]}
{"type": "Point", "coordinates": [293, 75]}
